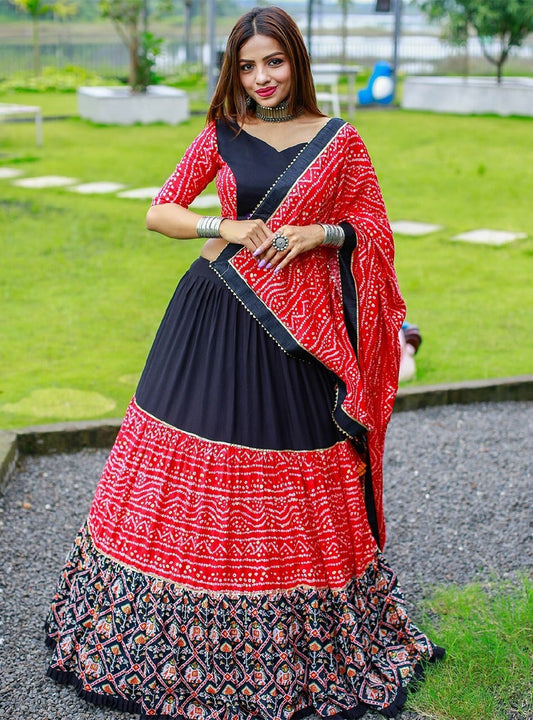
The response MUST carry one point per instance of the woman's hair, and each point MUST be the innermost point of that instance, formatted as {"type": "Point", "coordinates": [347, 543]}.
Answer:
{"type": "Point", "coordinates": [229, 98]}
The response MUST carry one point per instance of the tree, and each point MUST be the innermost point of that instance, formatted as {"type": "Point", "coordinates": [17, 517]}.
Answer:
{"type": "Point", "coordinates": [130, 18]}
{"type": "Point", "coordinates": [507, 21]}
{"type": "Point", "coordinates": [510, 21]}
{"type": "Point", "coordinates": [458, 19]}
{"type": "Point", "coordinates": [36, 9]}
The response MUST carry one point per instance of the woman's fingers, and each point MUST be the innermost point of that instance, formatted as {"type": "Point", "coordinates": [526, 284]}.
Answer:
{"type": "Point", "coordinates": [288, 242]}
{"type": "Point", "coordinates": [277, 245]}
{"type": "Point", "coordinates": [259, 233]}
{"type": "Point", "coordinates": [281, 262]}
{"type": "Point", "coordinates": [278, 249]}
{"type": "Point", "coordinates": [250, 233]}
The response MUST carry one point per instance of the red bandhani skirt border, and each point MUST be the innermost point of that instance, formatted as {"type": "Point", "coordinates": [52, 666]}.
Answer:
{"type": "Point", "coordinates": [217, 517]}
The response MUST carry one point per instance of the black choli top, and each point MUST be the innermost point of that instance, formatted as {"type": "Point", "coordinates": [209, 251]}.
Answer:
{"type": "Point", "coordinates": [256, 166]}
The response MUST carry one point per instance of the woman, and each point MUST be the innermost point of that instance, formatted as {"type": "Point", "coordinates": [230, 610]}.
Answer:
{"type": "Point", "coordinates": [230, 565]}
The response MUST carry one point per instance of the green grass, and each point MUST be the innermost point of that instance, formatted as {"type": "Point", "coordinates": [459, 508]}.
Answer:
{"type": "Point", "coordinates": [83, 285]}
{"type": "Point", "coordinates": [487, 673]}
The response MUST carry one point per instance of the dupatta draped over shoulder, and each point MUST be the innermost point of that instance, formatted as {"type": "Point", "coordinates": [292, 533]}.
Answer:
{"type": "Point", "coordinates": [343, 308]}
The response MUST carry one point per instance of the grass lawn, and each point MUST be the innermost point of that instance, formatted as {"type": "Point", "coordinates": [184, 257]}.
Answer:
{"type": "Point", "coordinates": [488, 636]}
{"type": "Point", "coordinates": [84, 285]}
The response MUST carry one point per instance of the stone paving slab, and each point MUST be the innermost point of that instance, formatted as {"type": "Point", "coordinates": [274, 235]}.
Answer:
{"type": "Point", "coordinates": [408, 227]}
{"type": "Point", "coordinates": [399, 227]}
{"type": "Point", "coordinates": [485, 236]}
{"type": "Point", "coordinates": [45, 181]}
{"type": "Point", "coordinates": [8, 173]}
{"type": "Point", "coordinates": [140, 193]}
{"type": "Point", "coordinates": [206, 201]}
{"type": "Point", "coordinates": [97, 188]}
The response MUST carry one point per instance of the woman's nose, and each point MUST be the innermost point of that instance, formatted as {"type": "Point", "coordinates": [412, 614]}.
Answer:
{"type": "Point", "coordinates": [262, 74]}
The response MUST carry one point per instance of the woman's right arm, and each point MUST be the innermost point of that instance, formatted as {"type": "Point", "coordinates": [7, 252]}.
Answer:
{"type": "Point", "coordinates": [169, 213]}
{"type": "Point", "coordinates": [178, 222]}
{"type": "Point", "coordinates": [172, 220]}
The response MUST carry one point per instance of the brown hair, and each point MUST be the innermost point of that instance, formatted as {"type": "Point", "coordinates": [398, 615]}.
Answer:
{"type": "Point", "coordinates": [229, 98]}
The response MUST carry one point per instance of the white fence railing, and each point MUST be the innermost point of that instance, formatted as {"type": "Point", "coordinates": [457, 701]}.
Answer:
{"type": "Point", "coordinates": [418, 53]}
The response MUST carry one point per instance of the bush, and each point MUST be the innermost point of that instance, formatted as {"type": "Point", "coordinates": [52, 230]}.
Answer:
{"type": "Point", "coordinates": [67, 79]}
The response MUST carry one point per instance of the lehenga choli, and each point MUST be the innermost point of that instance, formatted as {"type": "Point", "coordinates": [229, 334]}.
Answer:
{"type": "Point", "coordinates": [230, 567]}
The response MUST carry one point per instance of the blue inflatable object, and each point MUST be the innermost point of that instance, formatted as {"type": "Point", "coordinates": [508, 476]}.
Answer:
{"type": "Point", "coordinates": [380, 88]}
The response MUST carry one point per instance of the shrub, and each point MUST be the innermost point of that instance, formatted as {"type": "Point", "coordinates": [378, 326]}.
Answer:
{"type": "Point", "coordinates": [52, 79]}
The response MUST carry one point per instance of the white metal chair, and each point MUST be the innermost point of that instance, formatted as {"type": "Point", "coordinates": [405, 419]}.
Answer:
{"type": "Point", "coordinates": [327, 91]}
{"type": "Point", "coordinates": [8, 110]}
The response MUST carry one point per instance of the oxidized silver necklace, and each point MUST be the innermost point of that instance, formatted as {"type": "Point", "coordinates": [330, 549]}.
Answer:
{"type": "Point", "coordinates": [274, 114]}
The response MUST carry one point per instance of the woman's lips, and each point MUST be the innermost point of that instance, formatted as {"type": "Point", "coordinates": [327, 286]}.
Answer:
{"type": "Point", "coordinates": [266, 92]}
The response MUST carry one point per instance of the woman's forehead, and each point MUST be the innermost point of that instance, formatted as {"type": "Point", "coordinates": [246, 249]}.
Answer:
{"type": "Point", "coordinates": [259, 46]}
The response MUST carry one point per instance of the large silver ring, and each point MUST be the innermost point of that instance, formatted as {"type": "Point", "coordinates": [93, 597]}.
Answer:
{"type": "Point", "coordinates": [280, 242]}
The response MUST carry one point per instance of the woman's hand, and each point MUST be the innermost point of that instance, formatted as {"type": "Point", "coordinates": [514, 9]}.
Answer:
{"type": "Point", "coordinates": [250, 233]}
{"type": "Point", "coordinates": [300, 239]}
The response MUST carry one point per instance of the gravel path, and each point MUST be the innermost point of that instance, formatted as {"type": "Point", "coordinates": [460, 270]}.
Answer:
{"type": "Point", "coordinates": [458, 500]}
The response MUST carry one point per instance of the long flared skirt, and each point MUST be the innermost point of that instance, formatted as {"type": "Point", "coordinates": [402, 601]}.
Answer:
{"type": "Point", "coordinates": [227, 569]}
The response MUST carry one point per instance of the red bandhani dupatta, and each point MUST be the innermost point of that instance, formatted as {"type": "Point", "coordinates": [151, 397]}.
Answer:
{"type": "Point", "coordinates": [342, 307]}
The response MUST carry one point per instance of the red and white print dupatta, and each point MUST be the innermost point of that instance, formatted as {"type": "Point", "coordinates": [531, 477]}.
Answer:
{"type": "Point", "coordinates": [306, 298]}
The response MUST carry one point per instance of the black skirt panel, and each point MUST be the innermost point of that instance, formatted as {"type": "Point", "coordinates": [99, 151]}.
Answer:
{"type": "Point", "coordinates": [214, 372]}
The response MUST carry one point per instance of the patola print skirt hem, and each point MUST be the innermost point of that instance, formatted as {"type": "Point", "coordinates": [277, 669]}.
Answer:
{"type": "Point", "coordinates": [145, 645]}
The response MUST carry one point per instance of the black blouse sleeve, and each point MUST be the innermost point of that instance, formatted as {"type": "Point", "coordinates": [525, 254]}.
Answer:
{"type": "Point", "coordinates": [350, 239]}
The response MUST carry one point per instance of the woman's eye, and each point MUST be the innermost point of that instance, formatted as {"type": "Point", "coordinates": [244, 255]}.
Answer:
{"type": "Point", "coordinates": [275, 61]}
{"type": "Point", "coordinates": [246, 67]}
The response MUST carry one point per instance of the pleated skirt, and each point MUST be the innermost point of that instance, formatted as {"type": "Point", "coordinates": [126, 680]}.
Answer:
{"type": "Point", "coordinates": [227, 569]}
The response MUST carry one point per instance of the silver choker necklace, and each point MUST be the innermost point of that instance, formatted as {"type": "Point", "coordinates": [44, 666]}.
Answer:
{"type": "Point", "coordinates": [275, 114]}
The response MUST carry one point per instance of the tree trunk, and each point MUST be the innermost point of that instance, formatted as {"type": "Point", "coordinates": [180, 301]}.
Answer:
{"type": "Point", "coordinates": [497, 61]}
{"type": "Point", "coordinates": [466, 59]}
{"type": "Point", "coordinates": [134, 62]}
{"type": "Point", "coordinates": [466, 64]}
{"type": "Point", "coordinates": [501, 60]}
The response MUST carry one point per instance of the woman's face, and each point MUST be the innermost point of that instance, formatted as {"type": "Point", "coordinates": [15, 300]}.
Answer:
{"type": "Point", "coordinates": [264, 70]}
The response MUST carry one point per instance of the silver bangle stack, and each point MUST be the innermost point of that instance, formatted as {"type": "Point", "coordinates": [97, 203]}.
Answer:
{"type": "Point", "coordinates": [334, 235]}
{"type": "Point", "coordinates": [208, 227]}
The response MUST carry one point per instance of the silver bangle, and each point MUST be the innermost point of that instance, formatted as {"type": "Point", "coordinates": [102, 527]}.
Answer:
{"type": "Point", "coordinates": [334, 235]}
{"type": "Point", "coordinates": [208, 227]}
